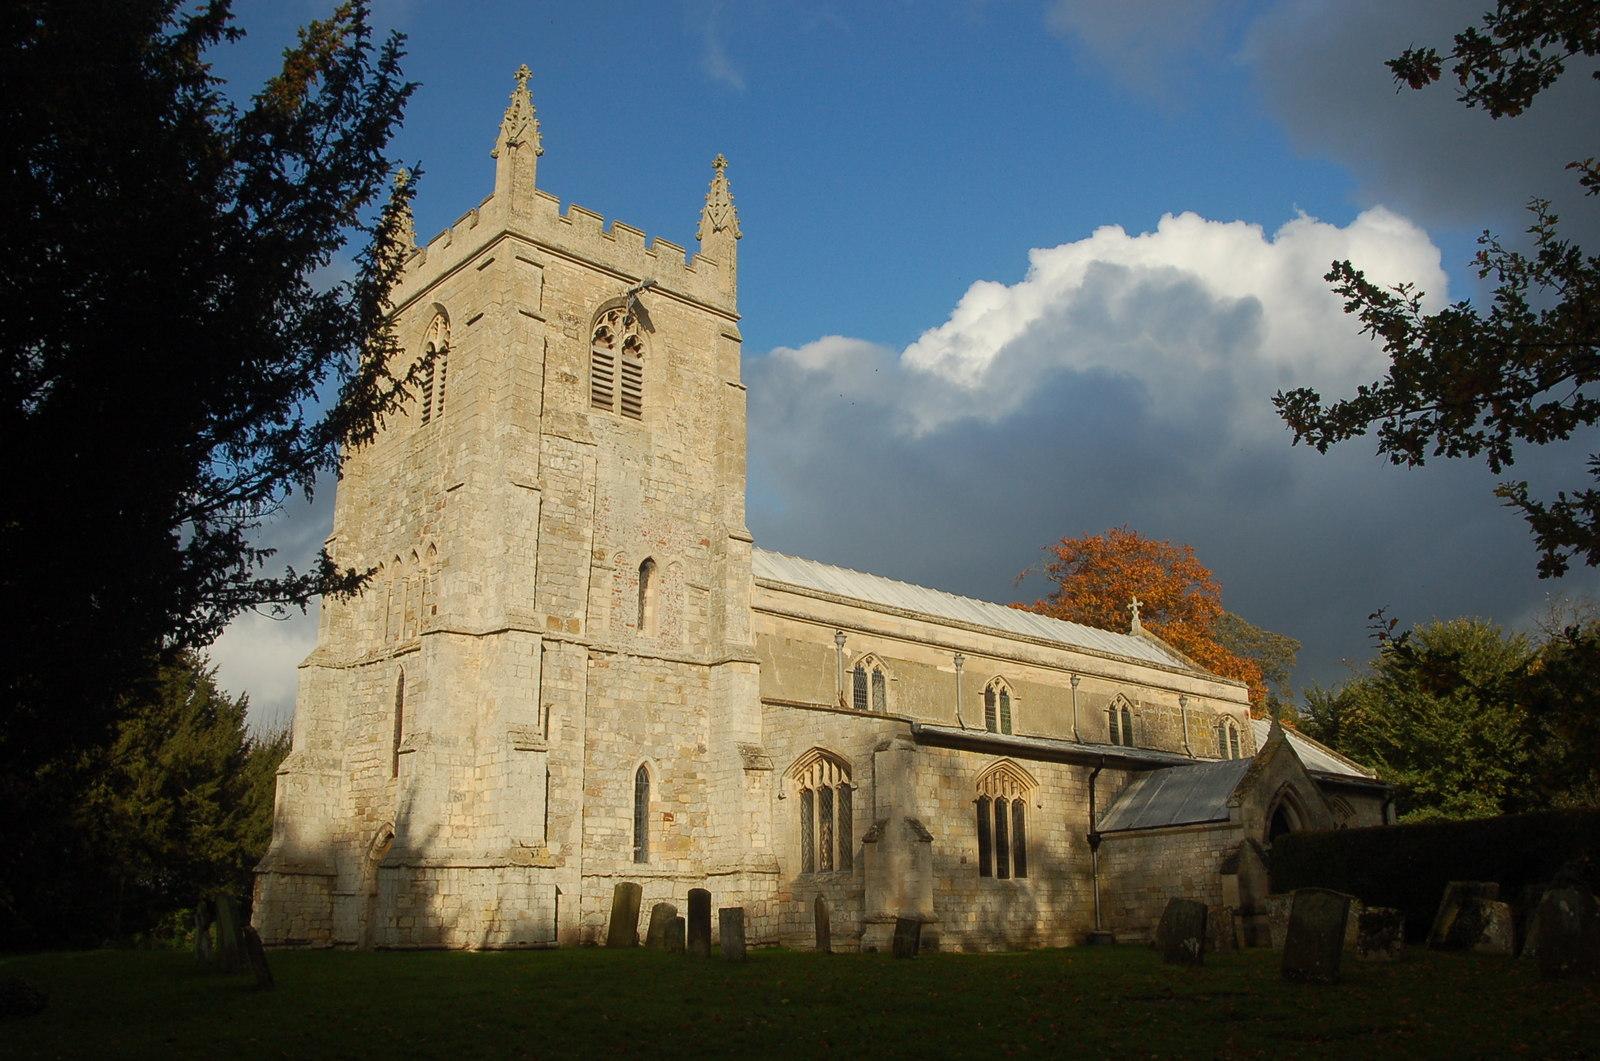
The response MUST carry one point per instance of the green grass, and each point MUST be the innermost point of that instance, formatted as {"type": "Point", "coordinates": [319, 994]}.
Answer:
{"type": "Point", "coordinates": [1087, 1001]}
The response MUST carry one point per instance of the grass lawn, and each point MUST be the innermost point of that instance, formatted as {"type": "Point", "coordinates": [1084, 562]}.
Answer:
{"type": "Point", "coordinates": [1113, 1001]}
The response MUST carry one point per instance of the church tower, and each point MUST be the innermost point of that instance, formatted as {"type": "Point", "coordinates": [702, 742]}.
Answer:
{"type": "Point", "coordinates": [550, 684]}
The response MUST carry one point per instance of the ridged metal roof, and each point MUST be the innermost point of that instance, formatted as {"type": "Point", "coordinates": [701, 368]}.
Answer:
{"type": "Point", "coordinates": [875, 589]}
{"type": "Point", "coordinates": [1178, 795]}
{"type": "Point", "coordinates": [1314, 756]}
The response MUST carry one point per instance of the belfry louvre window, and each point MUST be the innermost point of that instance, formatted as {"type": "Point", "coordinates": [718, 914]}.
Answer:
{"type": "Point", "coordinates": [1002, 807]}
{"type": "Point", "coordinates": [997, 707]}
{"type": "Point", "coordinates": [437, 345]}
{"type": "Point", "coordinates": [869, 686]}
{"type": "Point", "coordinates": [616, 365]}
{"type": "Point", "coordinates": [826, 806]}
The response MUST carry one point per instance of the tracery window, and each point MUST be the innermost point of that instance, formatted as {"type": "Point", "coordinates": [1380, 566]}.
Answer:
{"type": "Point", "coordinates": [997, 707]}
{"type": "Point", "coordinates": [1228, 740]}
{"type": "Point", "coordinates": [1003, 793]}
{"type": "Point", "coordinates": [616, 364]}
{"type": "Point", "coordinates": [869, 686]}
{"type": "Point", "coordinates": [827, 810]}
{"type": "Point", "coordinates": [1120, 722]}
{"type": "Point", "coordinates": [641, 814]}
{"type": "Point", "coordinates": [437, 346]}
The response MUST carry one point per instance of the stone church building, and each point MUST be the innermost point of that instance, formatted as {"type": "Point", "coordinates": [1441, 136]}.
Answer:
{"type": "Point", "coordinates": [573, 666]}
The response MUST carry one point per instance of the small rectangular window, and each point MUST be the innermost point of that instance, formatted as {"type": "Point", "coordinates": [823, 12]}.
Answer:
{"type": "Point", "coordinates": [846, 828]}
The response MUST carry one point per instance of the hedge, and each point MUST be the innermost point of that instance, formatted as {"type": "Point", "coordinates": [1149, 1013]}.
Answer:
{"type": "Point", "coordinates": [1408, 866]}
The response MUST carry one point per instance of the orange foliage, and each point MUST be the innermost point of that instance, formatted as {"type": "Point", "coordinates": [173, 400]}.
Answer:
{"type": "Point", "coordinates": [1097, 577]}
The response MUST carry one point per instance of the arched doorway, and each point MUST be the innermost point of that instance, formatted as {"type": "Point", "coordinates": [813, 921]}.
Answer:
{"type": "Point", "coordinates": [1285, 816]}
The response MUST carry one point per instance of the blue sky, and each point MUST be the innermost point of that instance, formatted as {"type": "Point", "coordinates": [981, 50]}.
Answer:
{"type": "Point", "coordinates": [1019, 270]}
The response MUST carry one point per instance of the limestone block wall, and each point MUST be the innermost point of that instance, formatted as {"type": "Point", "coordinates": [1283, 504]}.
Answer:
{"type": "Point", "coordinates": [1140, 871]}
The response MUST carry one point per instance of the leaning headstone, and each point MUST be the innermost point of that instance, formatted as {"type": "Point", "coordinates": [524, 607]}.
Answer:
{"type": "Point", "coordinates": [661, 917]}
{"type": "Point", "coordinates": [204, 916]}
{"type": "Point", "coordinates": [1181, 935]}
{"type": "Point", "coordinates": [675, 936]}
{"type": "Point", "coordinates": [1315, 942]}
{"type": "Point", "coordinates": [1497, 928]}
{"type": "Point", "coordinates": [229, 954]}
{"type": "Point", "coordinates": [730, 926]}
{"type": "Point", "coordinates": [1567, 938]}
{"type": "Point", "coordinates": [1447, 933]}
{"type": "Point", "coordinates": [824, 927]}
{"type": "Point", "coordinates": [907, 937]}
{"type": "Point", "coordinates": [700, 922]}
{"type": "Point", "coordinates": [1222, 930]}
{"type": "Point", "coordinates": [256, 957]}
{"type": "Point", "coordinates": [624, 928]}
{"type": "Point", "coordinates": [1277, 913]}
{"type": "Point", "coordinates": [1380, 934]}
{"type": "Point", "coordinates": [1352, 924]}
{"type": "Point", "coordinates": [20, 998]}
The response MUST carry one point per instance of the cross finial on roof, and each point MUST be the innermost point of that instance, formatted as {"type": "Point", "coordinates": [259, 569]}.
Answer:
{"type": "Point", "coordinates": [1134, 608]}
{"type": "Point", "coordinates": [523, 73]}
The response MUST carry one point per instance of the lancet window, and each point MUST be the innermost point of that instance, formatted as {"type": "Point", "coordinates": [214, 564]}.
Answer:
{"type": "Point", "coordinates": [997, 707]}
{"type": "Point", "coordinates": [616, 364]}
{"type": "Point", "coordinates": [647, 598]}
{"type": "Point", "coordinates": [1228, 746]}
{"type": "Point", "coordinates": [641, 814]}
{"type": "Point", "coordinates": [1119, 718]}
{"type": "Point", "coordinates": [869, 686]}
{"type": "Point", "coordinates": [1003, 794]}
{"type": "Point", "coordinates": [436, 375]}
{"type": "Point", "coordinates": [826, 803]}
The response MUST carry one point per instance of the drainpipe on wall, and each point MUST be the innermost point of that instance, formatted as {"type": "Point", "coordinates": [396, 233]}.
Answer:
{"type": "Point", "coordinates": [959, 661]}
{"type": "Point", "coordinates": [838, 676]}
{"type": "Point", "coordinates": [1099, 935]}
{"type": "Point", "coordinates": [1183, 711]}
{"type": "Point", "coordinates": [1075, 681]}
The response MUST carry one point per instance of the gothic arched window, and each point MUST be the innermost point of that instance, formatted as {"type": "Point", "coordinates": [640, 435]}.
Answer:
{"type": "Point", "coordinates": [647, 598]}
{"type": "Point", "coordinates": [827, 812]}
{"type": "Point", "coordinates": [869, 686]}
{"type": "Point", "coordinates": [997, 707]}
{"type": "Point", "coordinates": [641, 814]}
{"type": "Point", "coordinates": [1119, 721]}
{"type": "Point", "coordinates": [437, 347]}
{"type": "Point", "coordinates": [1228, 740]}
{"type": "Point", "coordinates": [1003, 794]}
{"type": "Point", "coordinates": [616, 364]}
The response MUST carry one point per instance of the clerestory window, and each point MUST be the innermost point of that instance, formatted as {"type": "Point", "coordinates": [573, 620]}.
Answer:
{"type": "Point", "coordinates": [869, 686]}
{"type": "Point", "coordinates": [997, 707]}
{"type": "Point", "coordinates": [1228, 740]}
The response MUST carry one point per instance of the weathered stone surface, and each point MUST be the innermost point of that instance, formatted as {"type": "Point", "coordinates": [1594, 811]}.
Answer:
{"type": "Point", "coordinates": [624, 928]}
{"type": "Point", "coordinates": [205, 916]}
{"type": "Point", "coordinates": [230, 955]}
{"type": "Point", "coordinates": [1276, 908]}
{"type": "Point", "coordinates": [1181, 935]}
{"type": "Point", "coordinates": [1380, 934]}
{"type": "Point", "coordinates": [1314, 945]}
{"type": "Point", "coordinates": [823, 926]}
{"type": "Point", "coordinates": [674, 939]}
{"type": "Point", "coordinates": [1352, 924]}
{"type": "Point", "coordinates": [661, 917]}
{"type": "Point", "coordinates": [699, 942]}
{"type": "Point", "coordinates": [1497, 928]}
{"type": "Point", "coordinates": [907, 937]}
{"type": "Point", "coordinates": [1567, 934]}
{"type": "Point", "coordinates": [1449, 930]}
{"type": "Point", "coordinates": [1222, 930]}
{"type": "Point", "coordinates": [255, 956]}
{"type": "Point", "coordinates": [730, 927]}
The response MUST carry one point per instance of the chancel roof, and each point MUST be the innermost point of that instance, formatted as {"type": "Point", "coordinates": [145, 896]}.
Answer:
{"type": "Point", "coordinates": [1178, 795]}
{"type": "Point", "coordinates": [890, 593]}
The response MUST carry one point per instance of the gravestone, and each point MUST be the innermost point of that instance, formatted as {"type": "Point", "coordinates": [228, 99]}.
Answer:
{"type": "Point", "coordinates": [1450, 931]}
{"type": "Point", "coordinates": [1276, 908]}
{"type": "Point", "coordinates": [907, 937]}
{"type": "Point", "coordinates": [204, 916]}
{"type": "Point", "coordinates": [1567, 934]}
{"type": "Point", "coordinates": [700, 922]}
{"type": "Point", "coordinates": [256, 957]}
{"type": "Point", "coordinates": [624, 928]}
{"type": "Point", "coordinates": [1222, 930]}
{"type": "Point", "coordinates": [824, 927]}
{"type": "Point", "coordinates": [1181, 935]}
{"type": "Point", "coordinates": [1352, 924]}
{"type": "Point", "coordinates": [1315, 941]}
{"type": "Point", "coordinates": [1497, 928]}
{"type": "Point", "coordinates": [1380, 934]}
{"type": "Point", "coordinates": [675, 936]}
{"type": "Point", "coordinates": [661, 917]}
{"type": "Point", "coordinates": [730, 926]}
{"type": "Point", "coordinates": [229, 954]}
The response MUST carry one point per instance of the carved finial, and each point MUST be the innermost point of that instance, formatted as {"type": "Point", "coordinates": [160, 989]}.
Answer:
{"type": "Point", "coordinates": [520, 142]}
{"type": "Point", "coordinates": [719, 214]}
{"type": "Point", "coordinates": [1134, 608]}
{"type": "Point", "coordinates": [406, 227]}
{"type": "Point", "coordinates": [523, 73]}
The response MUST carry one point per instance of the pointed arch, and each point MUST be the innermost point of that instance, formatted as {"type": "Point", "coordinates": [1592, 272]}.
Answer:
{"type": "Point", "coordinates": [998, 700]}
{"type": "Point", "coordinates": [435, 347]}
{"type": "Point", "coordinates": [869, 685]}
{"type": "Point", "coordinates": [826, 807]}
{"type": "Point", "coordinates": [642, 784]}
{"type": "Point", "coordinates": [1119, 721]}
{"type": "Point", "coordinates": [1285, 814]}
{"type": "Point", "coordinates": [1229, 745]}
{"type": "Point", "coordinates": [1005, 777]}
{"type": "Point", "coordinates": [617, 356]}
{"type": "Point", "coordinates": [1004, 791]}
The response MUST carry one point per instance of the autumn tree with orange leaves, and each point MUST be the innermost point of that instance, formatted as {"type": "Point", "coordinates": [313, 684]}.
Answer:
{"type": "Point", "coordinates": [1098, 575]}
